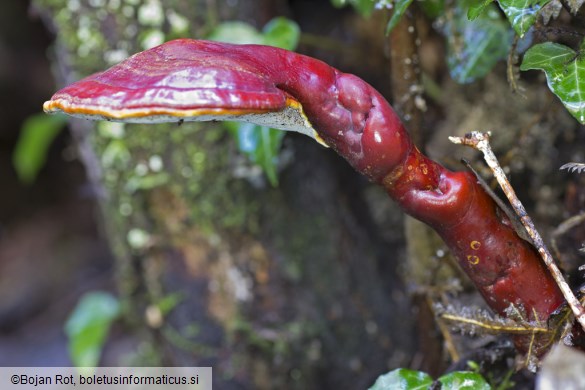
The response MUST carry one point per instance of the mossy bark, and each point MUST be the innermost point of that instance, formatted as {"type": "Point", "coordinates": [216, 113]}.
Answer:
{"type": "Point", "coordinates": [288, 287]}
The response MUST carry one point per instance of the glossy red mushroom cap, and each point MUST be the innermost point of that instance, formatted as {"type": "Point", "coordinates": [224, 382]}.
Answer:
{"type": "Point", "coordinates": [182, 80]}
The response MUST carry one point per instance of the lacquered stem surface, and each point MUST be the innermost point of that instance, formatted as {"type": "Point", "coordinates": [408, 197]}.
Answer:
{"type": "Point", "coordinates": [193, 80]}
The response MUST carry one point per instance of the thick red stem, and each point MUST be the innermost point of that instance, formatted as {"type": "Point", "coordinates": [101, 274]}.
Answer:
{"type": "Point", "coordinates": [361, 126]}
{"type": "Point", "coordinates": [357, 122]}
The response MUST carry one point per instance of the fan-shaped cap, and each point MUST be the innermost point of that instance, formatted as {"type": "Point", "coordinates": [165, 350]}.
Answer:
{"type": "Point", "coordinates": [182, 80]}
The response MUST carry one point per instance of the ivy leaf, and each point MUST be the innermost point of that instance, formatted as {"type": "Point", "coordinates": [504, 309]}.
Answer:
{"type": "Point", "coordinates": [36, 135]}
{"type": "Point", "coordinates": [565, 74]}
{"type": "Point", "coordinates": [547, 56]}
{"type": "Point", "coordinates": [474, 47]}
{"type": "Point", "coordinates": [236, 32]}
{"type": "Point", "coordinates": [281, 32]}
{"type": "Point", "coordinates": [476, 8]}
{"type": "Point", "coordinates": [403, 379]}
{"type": "Point", "coordinates": [521, 13]}
{"type": "Point", "coordinates": [463, 380]}
{"type": "Point", "coordinates": [399, 8]}
{"type": "Point", "coordinates": [88, 325]}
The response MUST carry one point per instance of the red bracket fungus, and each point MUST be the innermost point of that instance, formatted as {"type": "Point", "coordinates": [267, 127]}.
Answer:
{"type": "Point", "coordinates": [192, 80]}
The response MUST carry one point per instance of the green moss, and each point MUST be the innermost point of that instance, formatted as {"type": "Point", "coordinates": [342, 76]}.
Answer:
{"type": "Point", "coordinates": [192, 163]}
{"type": "Point", "coordinates": [99, 33]}
{"type": "Point", "coordinates": [310, 240]}
{"type": "Point", "coordinates": [192, 160]}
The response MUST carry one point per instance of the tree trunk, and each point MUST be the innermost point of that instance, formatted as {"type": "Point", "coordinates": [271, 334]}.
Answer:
{"type": "Point", "coordinates": [288, 287]}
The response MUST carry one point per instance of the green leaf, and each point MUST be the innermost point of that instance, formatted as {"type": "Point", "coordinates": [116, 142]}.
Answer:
{"type": "Point", "coordinates": [36, 135]}
{"type": "Point", "coordinates": [116, 154]}
{"type": "Point", "coordinates": [547, 56]}
{"type": "Point", "coordinates": [403, 379]}
{"type": "Point", "coordinates": [463, 380]}
{"type": "Point", "coordinates": [236, 32]}
{"type": "Point", "coordinates": [433, 8]}
{"type": "Point", "coordinates": [521, 13]}
{"type": "Point", "coordinates": [565, 74]}
{"type": "Point", "coordinates": [88, 325]}
{"type": "Point", "coordinates": [282, 32]}
{"type": "Point", "coordinates": [279, 32]}
{"type": "Point", "coordinates": [167, 303]}
{"type": "Point", "coordinates": [399, 8]}
{"type": "Point", "coordinates": [474, 47]}
{"type": "Point", "coordinates": [261, 144]}
{"type": "Point", "coordinates": [476, 8]}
